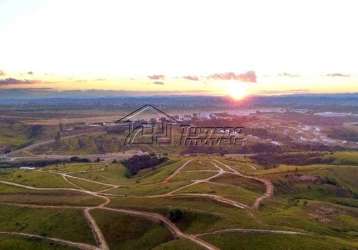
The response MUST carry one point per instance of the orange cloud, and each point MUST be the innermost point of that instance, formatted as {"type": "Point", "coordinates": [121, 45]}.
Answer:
{"type": "Point", "coordinates": [156, 77]}
{"type": "Point", "coordinates": [14, 81]}
{"type": "Point", "coordinates": [249, 76]}
{"type": "Point", "coordinates": [192, 78]}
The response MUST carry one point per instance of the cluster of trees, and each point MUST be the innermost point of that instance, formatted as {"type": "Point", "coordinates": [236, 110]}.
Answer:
{"type": "Point", "coordinates": [35, 131]}
{"type": "Point", "coordinates": [138, 162]}
{"type": "Point", "coordinates": [175, 215]}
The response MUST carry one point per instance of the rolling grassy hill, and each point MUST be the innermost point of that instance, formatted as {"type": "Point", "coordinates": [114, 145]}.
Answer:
{"type": "Point", "coordinates": [313, 206]}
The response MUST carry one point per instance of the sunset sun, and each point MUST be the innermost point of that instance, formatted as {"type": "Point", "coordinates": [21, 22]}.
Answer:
{"type": "Point", "coordinates": [237, 91]}
{"type": "Point", "coordinates": [134, 124]}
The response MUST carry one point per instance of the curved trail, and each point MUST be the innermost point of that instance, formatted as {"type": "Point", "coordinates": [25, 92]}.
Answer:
{"type": "Point", "coordinates": [66, 175]}
{"type": "Point", "coordinates": [177, 171]}
{"type": "Point", "coordinates": [217, 198]}
{"type": "Point", "coordinates": [56, 240]}
{"type": "Point", "coordinates": [42, 206]}
{"type": "Point", "coordinates": [218, 173]}
{"type": "Point", "coordinates": [155, 217]}
{"type": "Point", "coordinates": [250, 230]}
{"type": "Point", "coordinates": [268, 184]}
{"type": "Point", "coordinates": [71, 183]}
{"type": "Point", "coordinates": [170, 225]}
{"type": "Point", "coordinates": [53, 189]}
{"type": "Point", "coordinates": [101, 241]}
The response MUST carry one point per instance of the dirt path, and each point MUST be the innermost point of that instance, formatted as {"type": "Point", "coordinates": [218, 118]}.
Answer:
{"type": "Point", "coordinates": [66, 175]}
{"type": "Point", "coordinates": [42, 206]}
{"type": "Point", "coordinates": [268, 184]}
{"type": "Point", "coordinates": [56, 240]}
{"type": "Point", "coordinates": [101, 241]}
{"type": "Point", "coordinates": [177, 171]}
{"type": "Point", "coordinates": [100, 238]}
{"type": "Point", "coordinates": [71, 183]}
{"type": "Point", "coordinates": [268, 193]}
{"type": "Point", "coordinates": [195, 182]}
{"type": "Point", "coordinates": [171, 226]}
{"type": "Point", "coordinates": [217, 198]}
{"type": "Point", "coordinates": [155, 217]}
{"type": "Point", "coordinates": [91, 222]}
{"type": "Point", "coordinates": [250, 230]}
{"type": "Point", "coordinates": [42, 143]}
{"type": "Point", "coordinates": [54, 189]}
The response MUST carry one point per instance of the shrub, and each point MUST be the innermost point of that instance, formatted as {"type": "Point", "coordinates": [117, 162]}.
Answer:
{"type": "Point", "coordinates": [138, 162]}
{"type": "Point", "coordinates": [175, 215]}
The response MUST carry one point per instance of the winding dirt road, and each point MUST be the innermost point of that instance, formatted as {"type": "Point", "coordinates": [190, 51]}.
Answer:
{"type": "Point", "coordinates": [268, 184]}
{"type": "Point", "coordinates": [217, 198]}
{"type": "Point", "coordinates": [100, 238]}
{"type": "Point", "coordinates": [177, 171]}
{"type": "Point", "coordinates": [249, 230]}
{"type": "Point", "coordinates": [56, 240]}
{"type": "Point", "coordinates": [155, 217]}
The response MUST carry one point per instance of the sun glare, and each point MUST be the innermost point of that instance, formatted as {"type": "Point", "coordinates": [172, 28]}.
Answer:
{"type": "Point", "coordinates": [237, 91]}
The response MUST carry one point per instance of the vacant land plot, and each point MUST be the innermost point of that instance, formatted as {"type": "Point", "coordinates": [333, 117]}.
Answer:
{"type": "Point", "coordinates": [187, 203]}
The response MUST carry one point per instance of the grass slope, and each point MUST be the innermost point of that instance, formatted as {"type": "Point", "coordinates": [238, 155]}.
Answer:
{"type": "Point", "coordinates": [128, 232]}
{"type": "Point", "coordinates": [59, 223]}
{"type": "Point", "coordinates": [256, 241]}
{"type": "Point", "coordinates": [20, 243]}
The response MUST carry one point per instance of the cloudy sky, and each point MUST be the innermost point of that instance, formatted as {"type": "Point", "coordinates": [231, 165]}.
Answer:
{"type": "Point", "coordinates": [213, 46]}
